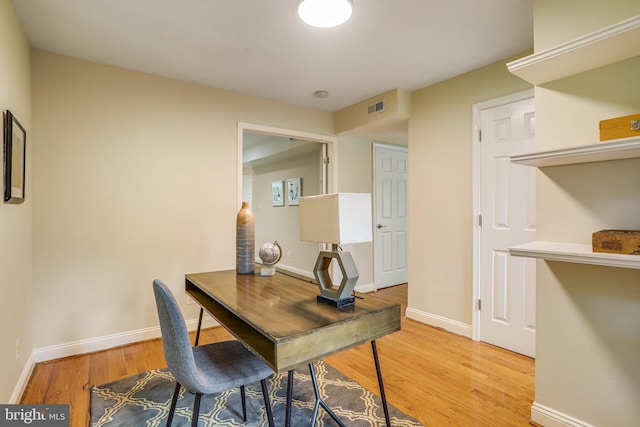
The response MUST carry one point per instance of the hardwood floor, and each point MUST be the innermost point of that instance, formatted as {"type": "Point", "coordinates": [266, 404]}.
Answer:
{"type": "Point", "coordinates": [437, 377]}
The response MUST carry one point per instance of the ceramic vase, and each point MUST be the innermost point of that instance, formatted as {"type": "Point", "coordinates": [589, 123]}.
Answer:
{"type": "Point", "coordinates": [245, 240]}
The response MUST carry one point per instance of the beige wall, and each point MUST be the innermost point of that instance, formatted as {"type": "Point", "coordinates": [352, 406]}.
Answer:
{"type": "Point", "coordinates": [15, 220]}
{"type": "Point", "coordinates": [134, 178]}
{"type": "Point", "coordinates": [588, 339]}
{"type": "Point", "coordinates": [397, 108]}
{"type": "Point", "coordinates": [440, 191]}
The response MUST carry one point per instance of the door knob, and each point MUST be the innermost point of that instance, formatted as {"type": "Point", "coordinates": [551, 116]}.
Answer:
{"type": "Point", "coordinates": [381, 226]}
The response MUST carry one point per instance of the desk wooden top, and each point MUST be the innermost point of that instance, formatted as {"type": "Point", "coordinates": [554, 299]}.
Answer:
{"type": "Point", "coordinates": [279, 318]}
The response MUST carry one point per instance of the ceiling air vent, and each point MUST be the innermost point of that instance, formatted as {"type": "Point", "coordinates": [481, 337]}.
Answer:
{"type": "Point", "coordinates": [375, 108]}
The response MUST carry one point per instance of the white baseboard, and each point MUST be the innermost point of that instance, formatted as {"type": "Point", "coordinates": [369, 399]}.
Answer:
{"type": "Point", "coordinates": [440, 322]}
{"type": "Point", "coordinates": [109, 341]}
{"type": "Point", "coordinates": [295, 270]}
{"type": "Point", "coordinates": [23, 380]}
{"type": "Point", "coordinates": [366, 288]}
{"type": "Point", "coordinates": [548, 417]}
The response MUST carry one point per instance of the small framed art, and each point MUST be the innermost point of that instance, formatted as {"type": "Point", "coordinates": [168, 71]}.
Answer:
{"type": "Point", "coordinates": [294, 191]}
{"type": "Point", "coordinates": [277, 193]}
{"type": "Point", "coordinates": [15, 142]}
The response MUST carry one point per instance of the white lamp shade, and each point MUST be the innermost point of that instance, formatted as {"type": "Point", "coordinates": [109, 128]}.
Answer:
{"type": "Point", "coordinates": [338, 218]}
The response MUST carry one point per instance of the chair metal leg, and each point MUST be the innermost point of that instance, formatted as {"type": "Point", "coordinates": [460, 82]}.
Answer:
{"type": "Point", "coordinates": [196, 409]}
{"type": "Point", "coordinates": [267, 404]}
{"type": "Point", "coordinates": [243, 397]}
{"type": "Point", "coordinates": [383, 397]}
{"type": "Point", "coordinates": [174, 402]}
{"type": "Point", "coordinates": [287, 413]}
{"type": "Point", "coordinates": [320, 402]}
{"type": "Point", "coordinates": [199, 327]}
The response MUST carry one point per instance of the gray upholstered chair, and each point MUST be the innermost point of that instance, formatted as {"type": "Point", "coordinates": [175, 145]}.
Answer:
{"type": "Point", "coordinates": [206, 369]}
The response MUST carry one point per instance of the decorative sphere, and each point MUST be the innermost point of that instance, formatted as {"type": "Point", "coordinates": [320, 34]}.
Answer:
{"type": "Point", "coordinates": [270, 253]}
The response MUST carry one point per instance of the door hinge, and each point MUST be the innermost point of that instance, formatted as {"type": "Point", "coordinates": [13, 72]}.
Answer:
{"type": "Point", "coordinates": [480, 135]}
{"type": "Point", "coordinates": [479, 304]}
{"type": "Point", "coordinates": [480, 220]}
{"type": "Point", "coordinates": [325, 160]}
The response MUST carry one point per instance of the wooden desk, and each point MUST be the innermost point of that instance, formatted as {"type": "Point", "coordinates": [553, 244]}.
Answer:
{"type": "Point", "coordinates": [279, 318]}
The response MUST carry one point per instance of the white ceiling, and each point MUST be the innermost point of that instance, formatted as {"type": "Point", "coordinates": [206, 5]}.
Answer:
{"type": "Point", "coordinates": [261, 48]}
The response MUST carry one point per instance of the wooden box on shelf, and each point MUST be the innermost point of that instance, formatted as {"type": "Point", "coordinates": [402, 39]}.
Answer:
{"type": "Point", "coordinates": [617, 241]}
{"type": "Point", "coordinates": [620, 127]}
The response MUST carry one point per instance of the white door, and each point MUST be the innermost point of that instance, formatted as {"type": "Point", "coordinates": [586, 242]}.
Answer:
{"type": "Point", "coordinates": [507, 284]}
{"type": "Point", "coordinates": [391, 221]}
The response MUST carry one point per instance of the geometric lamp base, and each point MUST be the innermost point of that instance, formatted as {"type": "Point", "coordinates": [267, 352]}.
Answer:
{"type": "Point", "coordinates": [337, 295]}
{"type": "Point", "coordinates": [336, 302]}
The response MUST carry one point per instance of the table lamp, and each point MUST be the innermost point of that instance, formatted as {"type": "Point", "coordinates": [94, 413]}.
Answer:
{"type": "Point", "coordinates": [338, 218]}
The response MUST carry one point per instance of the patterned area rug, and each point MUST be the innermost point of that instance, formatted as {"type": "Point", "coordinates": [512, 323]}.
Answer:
{"type": "Point", "coordinates": [144, 400]}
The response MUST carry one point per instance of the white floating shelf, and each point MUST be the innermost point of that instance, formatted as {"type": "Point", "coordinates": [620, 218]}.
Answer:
{"type": "Point", "coordinates": [574, 253]}
{"type": "Point", "coordinates": [617, 149]}
{"type": "Point", "coordinates": [605, 46]}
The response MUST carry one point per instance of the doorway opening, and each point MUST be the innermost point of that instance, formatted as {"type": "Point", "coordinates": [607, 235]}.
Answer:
{"type": "Point", "coordinates": [270, 159]}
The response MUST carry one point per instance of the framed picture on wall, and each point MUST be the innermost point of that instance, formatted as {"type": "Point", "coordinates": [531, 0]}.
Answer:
{"type": "Point", "coordinates": [294, 191]}
{"type": "Point", "coordinates": [15, 141]}
{"type": "Point", "coordinates": [277, 193]}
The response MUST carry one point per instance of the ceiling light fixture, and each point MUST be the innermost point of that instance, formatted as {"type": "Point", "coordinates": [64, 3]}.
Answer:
{"type": "Point", "coordinates": [325, 13]}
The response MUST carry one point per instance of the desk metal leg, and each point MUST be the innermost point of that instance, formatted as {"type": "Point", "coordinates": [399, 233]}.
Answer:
{"type": "Point", "coordinates": [287, 414]}
{"type": "Point", "coordinates": [199, 326]}
{"type": "Point", "coordinates": [383, 397]}
{"type": "Point", "coordinates": [198, 337]}
{"type": "Point", "coordinates": [320, 402]}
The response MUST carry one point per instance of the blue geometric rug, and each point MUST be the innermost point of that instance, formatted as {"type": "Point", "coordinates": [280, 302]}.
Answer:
{"type": "Point", "coordinates": [144, 399]}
